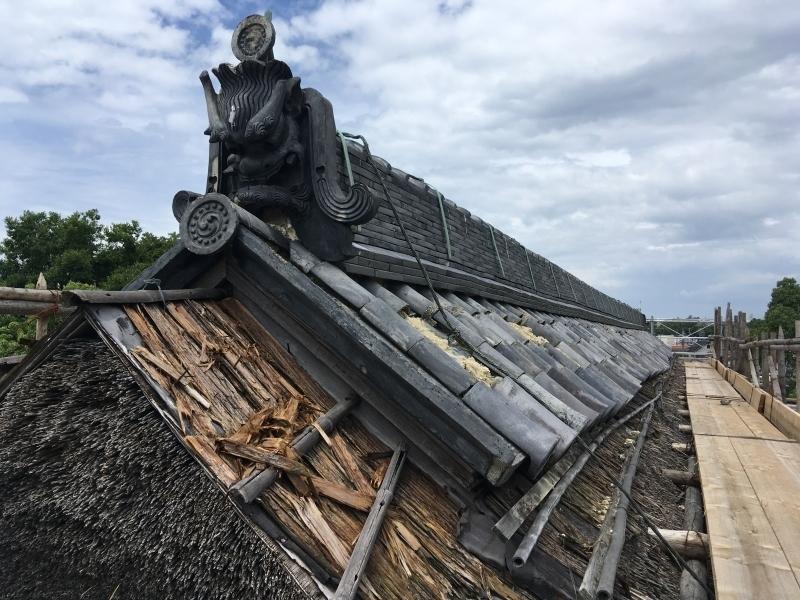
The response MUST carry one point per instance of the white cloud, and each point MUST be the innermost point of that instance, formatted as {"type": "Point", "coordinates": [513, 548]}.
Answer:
{"type": "Point", "coordinates": [12, 96]}
{"type": "Point", "coordinates": [649, 148]}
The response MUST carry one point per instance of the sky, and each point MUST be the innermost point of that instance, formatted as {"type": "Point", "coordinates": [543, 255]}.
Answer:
{"type": "Point", "coordinates": [652, 148]}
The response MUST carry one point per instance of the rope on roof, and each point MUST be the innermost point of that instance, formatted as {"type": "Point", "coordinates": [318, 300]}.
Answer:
{"type": "Point", "coordinates": [555, 281]}
{"type": "Point", "coordinates": [346, 153]}
{"type": "Point", "coordinates": [569, 280]}
{"type": "Point", "coordinates": [530, 269]}
{"type": "Point", "coordinates": [444, 225]}
{"type": "Point", "coordinates": [497, 252]}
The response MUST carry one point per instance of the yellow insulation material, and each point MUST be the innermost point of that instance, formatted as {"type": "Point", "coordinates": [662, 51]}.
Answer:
{"type": "Point", "coordinates": [528, 334]}
{"type": "Point", "coordinates": [472, 366]}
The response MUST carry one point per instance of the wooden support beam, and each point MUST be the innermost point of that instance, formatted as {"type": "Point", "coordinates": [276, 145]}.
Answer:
{"type": "Point", "coordinates": [689, 544]}
{"type": "Point", "coordinates": [683, 412]}
{"type": "Point", "coordinates": [348, 585]}
{"type": "Point", "coordinates": [685, 428]}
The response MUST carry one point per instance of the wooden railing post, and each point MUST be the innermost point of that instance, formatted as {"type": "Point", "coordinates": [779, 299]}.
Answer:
{"type": "Point", "coordinates": [797, 365]}
{"type": "Point", "coordinates": [743, 363]}
{"type": "Point", "coordinates": [728, 333]}
{"type": "Point", "coordinates": [780, 359]}
{"type": "Point", "coordinates": [764, 363]}
{"type": "Point", "coordinates": [753, 372]}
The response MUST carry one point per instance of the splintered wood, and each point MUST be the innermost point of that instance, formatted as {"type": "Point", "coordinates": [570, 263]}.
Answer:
{"type": "Point", "coordinates": [241, 398]}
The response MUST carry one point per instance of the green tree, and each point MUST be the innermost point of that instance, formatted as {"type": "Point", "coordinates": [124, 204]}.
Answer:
{"type": "Point", "coordinates": [74, 252]}
{"type": "Point", "coordinates": [60, 247]}
{"type": "Point", "coordinates": [784, 306]}
{"type": "Point", "coordinates": [76, 248]}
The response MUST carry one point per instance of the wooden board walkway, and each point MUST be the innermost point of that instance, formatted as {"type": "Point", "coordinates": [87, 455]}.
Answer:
{"type": "Point", "coordinates": [750, 475]}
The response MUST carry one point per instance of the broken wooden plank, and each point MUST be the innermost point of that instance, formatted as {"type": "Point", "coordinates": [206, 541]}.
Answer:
{"type": "Point", "coordinates": [249, 488]}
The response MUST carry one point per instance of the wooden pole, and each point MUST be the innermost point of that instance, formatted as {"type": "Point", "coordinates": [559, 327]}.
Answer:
{"type": "Point", "coordinates": [38, 294]}
{"type": "Point", "coordinates": [780, 357]}
{"type": "Point", "coordinates": [764, 363]}
{"type": "Point", "coordinates": [353, 572]}
{"type": "Point", "coordinates": [41, 322]}
{"type": "Point", "coordinates": [681, 477]}
{"type": "Point", "coordinates": [729, 333]}
{"type": "Point", "coordinates": [772, 342]}
{"type": "Point", "coordinates": [717, 332]}
{"type": "Point", "coordinates": [797, 364]}
{"type": "Point", "coordinates": [689, 544]}
{"type": "Point", "coordinates": [742, 362]}
{"type": "Point", "coordinates": [693, 521]}
{"type": "Point", "coordinates": [773, 377]}
{"type": "Point", "coordinates": [25, 308]}
{"type": "Point", "coordinates": [753, 372]}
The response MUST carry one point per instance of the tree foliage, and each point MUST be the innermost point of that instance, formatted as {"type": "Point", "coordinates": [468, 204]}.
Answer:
{"type": "Point", "coordinates": [74, 252]}
{"type": "Point", "coordinates": [782, 311]}
{"type": "Point", "coordinates": [76, 248]}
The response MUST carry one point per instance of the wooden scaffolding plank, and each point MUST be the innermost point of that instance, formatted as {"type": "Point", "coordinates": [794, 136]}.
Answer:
{"type": "Point", "coordinates": [710, 388]}
{"type": "Point", "coordinates": [709, 417]}
{"type": "Point", "coordinates": [773, 469]}
{"type": "Point", "coordinates": [747, 558]}
{"type": "Point", "coordinates": [758, 425]}
{"type": "Point", "coordinates": [733, 418]}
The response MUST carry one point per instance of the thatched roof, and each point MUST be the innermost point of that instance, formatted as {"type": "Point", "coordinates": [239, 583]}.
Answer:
{"type": "Point", "coordinates": [97, 495]}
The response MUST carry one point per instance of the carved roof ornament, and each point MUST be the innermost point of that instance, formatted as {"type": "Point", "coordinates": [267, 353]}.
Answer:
{"type": "Point", "coordinates": [273, 152]}
{"type": "Point", "coordinates": [253, 38]}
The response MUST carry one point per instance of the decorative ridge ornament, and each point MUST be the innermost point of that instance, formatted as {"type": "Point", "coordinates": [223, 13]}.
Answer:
{"type": "Point", "coordinates": [253, 38]}
{"type": "Point", "coordinates": [273, 151]}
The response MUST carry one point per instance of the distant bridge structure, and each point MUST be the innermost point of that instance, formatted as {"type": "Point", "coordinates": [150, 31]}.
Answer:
{"type": "Point", "coordinates": [695, 343]}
